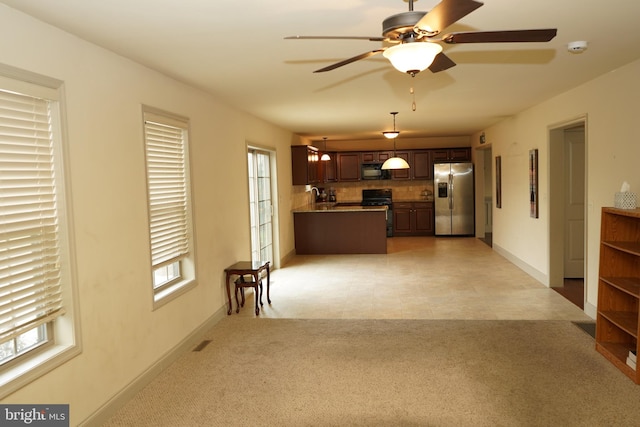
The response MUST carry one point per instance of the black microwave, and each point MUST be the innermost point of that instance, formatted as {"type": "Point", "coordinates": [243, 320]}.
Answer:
{"type": "Point", "coordinates": [374, 171]}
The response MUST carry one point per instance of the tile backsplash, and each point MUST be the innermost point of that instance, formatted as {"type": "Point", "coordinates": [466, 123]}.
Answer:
{"type": "Point", "coordinates": [352, 191]}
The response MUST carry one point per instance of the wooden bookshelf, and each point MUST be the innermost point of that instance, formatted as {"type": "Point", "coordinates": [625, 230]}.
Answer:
{"type": "Point", "coordinates": [617, 320]}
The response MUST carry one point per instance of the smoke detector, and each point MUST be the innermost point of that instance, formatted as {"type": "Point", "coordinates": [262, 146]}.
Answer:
{"type": "Point", "coordinates": [577, 46]}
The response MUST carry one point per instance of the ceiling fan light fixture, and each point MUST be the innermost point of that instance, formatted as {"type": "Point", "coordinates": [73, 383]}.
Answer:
{"type": "Point", "coordinates": [412, 57]}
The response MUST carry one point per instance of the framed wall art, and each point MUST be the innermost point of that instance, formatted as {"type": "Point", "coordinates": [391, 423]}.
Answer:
{"type": "Point", "coordinates": [533, 183]}
{"type": "Point", "coordinates": [498, 182]}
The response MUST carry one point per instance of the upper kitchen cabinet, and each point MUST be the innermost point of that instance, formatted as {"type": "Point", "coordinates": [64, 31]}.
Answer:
{"type": "Point", "coordinates": [348, 166]}
{"type": "Point", "coordinates": [451, 155]}
{"type": "Point", "coordinates": [401, 174]}
{"type": "Point", "coordinates": [329, 169]}
{"type": "Point", "coordinates": [304, 165]}
{"type": "Point", "coordinates": [422, 167]}
{"type": "Point", "coordinates": [375, 156]}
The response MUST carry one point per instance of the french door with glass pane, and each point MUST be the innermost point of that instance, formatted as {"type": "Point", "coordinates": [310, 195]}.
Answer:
{"type": "Point", "coordinates": [260, 205]}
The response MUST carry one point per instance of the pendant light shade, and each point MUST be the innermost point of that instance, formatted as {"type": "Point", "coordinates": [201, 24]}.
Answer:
{"type": "Point", "coordinates": [412, 57]}
{"type": "Point", "coordinates": [390, 134]}
{"type": "Point", "coordinates": [394, 162]}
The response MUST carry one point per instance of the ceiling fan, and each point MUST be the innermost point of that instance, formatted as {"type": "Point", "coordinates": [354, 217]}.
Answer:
{"type": "Point", "coordinates": [415, 45]}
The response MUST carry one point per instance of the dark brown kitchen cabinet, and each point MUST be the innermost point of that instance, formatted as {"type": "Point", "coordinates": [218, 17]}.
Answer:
{"type": "Point", "coordinates": [402, 174]}
{"type": "Point", "coordinates": [348, 166]}
{"type": "Point", "coordinates": [422, 167]}
{"type": "Point", "coordinates": [374, 156]}
{"type": "Point", "coordinates": [444, 155]}
{"type": "Point", "coordinates": [413, 219]}
{"type": "Point", "coordinates": [329, 169]}
{"type": "Point", "coordinates": [425, 225]}
{"type": "Point", "coordinates": [304, 165]}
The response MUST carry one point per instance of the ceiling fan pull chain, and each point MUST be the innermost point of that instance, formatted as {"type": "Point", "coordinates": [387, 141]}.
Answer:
{"type": "Point", "coordinates": [413, 95]}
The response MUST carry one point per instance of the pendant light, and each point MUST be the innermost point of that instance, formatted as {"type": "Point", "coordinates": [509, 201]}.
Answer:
{"type": "Point", "coordinates": [325, 157]}
{"type": "Point", "coordinates": [394, 162]}
{"type": "Point", "coordinates": [394, 133]}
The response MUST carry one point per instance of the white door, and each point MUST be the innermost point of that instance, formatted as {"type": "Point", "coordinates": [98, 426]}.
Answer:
{"type": "Point", "coordinates": [261, 206]}
{"type": "Point", "coordinates": [574, 181]}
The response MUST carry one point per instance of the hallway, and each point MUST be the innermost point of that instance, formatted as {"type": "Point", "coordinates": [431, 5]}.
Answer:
{"type": "Point", "coordinates": [419, 278]}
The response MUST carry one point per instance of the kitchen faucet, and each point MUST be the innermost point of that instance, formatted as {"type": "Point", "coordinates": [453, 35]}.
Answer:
{"type": "Point", "coordinates": [313, 199]}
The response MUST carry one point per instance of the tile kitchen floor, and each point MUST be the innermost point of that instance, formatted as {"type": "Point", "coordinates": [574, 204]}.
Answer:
{"type": "Point", "coordinates": [419, 278]}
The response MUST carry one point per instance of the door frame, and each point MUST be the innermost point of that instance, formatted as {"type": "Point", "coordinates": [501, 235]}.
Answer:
{"type": "Point", "coordinates": [484, 190]}
{"type": "Point", "coordinates": [275, 224]}
{"type": "Point", "coordinates": [556, 142]}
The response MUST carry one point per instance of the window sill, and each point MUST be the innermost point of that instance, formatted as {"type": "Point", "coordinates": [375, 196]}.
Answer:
{"type": "Point", "coordinates": [172, 292]}
{"type": "Point", "coordinates": [36, 366]}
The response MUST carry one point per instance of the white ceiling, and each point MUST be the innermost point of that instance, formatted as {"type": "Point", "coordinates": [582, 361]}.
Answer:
{"type": "Point", "coordinates": [236, 50]}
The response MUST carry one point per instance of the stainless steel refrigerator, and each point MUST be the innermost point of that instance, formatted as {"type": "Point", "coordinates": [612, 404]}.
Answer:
{"type": "Point", "coordinates": [454, 199]}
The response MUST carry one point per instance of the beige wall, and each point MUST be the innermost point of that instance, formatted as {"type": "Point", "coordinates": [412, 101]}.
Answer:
{"type": "Point", "coordinates": [122, 337]}
{"type": "Point", "coordinates": [610, 105]}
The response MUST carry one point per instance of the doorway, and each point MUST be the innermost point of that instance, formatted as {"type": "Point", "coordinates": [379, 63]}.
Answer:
{"type": "Point", "coordinates": [484, 176]}
{"type": "Point", "coordinates": [261, 205]}
{"type": "Point", "coordinates": [567, 191]}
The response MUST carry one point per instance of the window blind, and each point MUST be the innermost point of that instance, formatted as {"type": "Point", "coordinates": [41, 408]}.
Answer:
{"type": "Point", "coordinates": [166, 180]}
{"type": "Point", "coordinates": [30, 288]}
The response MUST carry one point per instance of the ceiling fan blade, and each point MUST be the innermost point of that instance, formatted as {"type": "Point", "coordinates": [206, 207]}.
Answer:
{"type": "Point", "coordinates": [372, 39]}
{"type": "Point", "coordinates": [440, 63]}
{"type": "Point", "coordinates": [348, 61]}
{"type": "Point", "coordinates": [444, 14]}
{"type": "Point", "coordinates": [543, 35]}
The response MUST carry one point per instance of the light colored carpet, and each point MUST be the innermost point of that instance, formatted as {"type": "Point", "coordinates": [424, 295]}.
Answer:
{"type": "Point", "coordinates": [288, 372]}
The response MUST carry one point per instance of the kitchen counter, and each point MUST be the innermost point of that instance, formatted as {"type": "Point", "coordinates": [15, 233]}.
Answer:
{"type": "Point", "coordinates": [414, 201]}
{"type": "Point", "coordinates": [339, 207]}
{"type": "Point", "coordinates": [330, 228]}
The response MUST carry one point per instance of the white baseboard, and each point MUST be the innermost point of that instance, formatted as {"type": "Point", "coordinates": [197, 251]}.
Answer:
{"type": "Point", "coordinates": [590, 310]}
{"type": "Point", "coordinates": [110, 407]}
{"type": "Point", "coordinates": [536, 274]}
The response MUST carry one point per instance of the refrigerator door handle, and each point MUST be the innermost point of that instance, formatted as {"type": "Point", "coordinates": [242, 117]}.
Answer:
{"type": "Point", "coordinates": [450, 191]}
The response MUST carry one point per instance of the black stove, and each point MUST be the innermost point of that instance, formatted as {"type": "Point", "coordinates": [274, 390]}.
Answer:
{"type": "Point", "coordinates": [377, 197]}
{"type": "Point", "coordinates": [380, 197]}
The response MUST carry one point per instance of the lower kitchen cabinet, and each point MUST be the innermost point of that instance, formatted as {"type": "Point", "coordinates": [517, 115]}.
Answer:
{"type": "Point", "coordinates": [413, 219]}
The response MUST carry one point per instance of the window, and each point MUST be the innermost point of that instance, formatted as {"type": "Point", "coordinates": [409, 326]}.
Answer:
{"type": "Point", "coordinates": [37, 330]}
{"type": "Point", "coordinates": [170, 225]}
{"type": "Point", "coordinates": [260, 204]}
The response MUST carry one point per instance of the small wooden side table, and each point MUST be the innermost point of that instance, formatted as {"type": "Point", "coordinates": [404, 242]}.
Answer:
{"type": "Point", "coordinates": [240, 268]}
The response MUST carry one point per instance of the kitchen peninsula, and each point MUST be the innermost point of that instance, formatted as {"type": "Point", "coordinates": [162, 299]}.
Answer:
{"type": "Point", "coordinates": [329, 228]}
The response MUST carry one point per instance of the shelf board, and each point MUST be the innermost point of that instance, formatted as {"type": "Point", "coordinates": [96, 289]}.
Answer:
{"type": "Point", "coordinates": [617, 354]}
{"type": "Point", "coordinates": [632, 213]}
{"type": "Point", "coordinates": [625, 320]}
{"type": "Point", "coordinates": [629, 285]}
{"type": "Point", "coordinates": [632, 248]}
